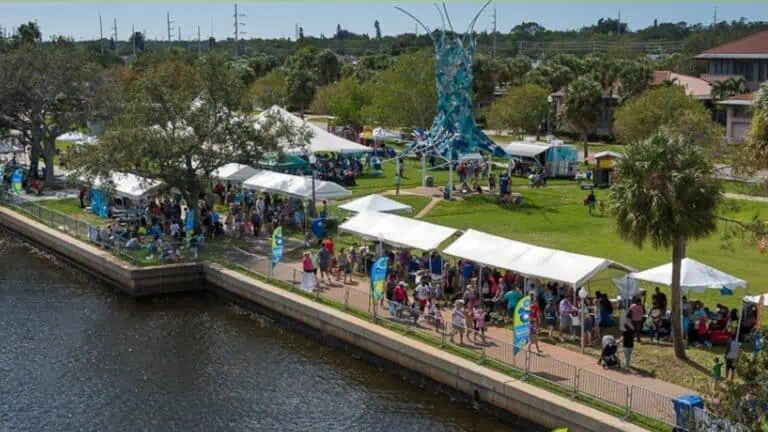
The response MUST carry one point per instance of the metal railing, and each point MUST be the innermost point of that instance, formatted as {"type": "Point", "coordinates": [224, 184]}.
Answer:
{"type": "Point", "coordinates": [627, 401]}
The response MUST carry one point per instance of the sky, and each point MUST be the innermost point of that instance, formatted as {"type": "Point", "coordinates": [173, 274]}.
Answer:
{"type": "Point", "coordinates": [80, 20]}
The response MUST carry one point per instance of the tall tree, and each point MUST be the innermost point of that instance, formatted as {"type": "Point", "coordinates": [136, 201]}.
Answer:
{"type": "Point", "coordinates": [406, 93]}
{"type": "Point", "coordinates": [583, 106]}
{"type": "Point", "coordinates": [327, 67]}
{"type": "Point", "coordinates": [271, 89]}
{"type": "Point", "coordinates": [179, 123]}
{"type": "Point", "coordinates": [378, 29]}
{"type": "Point", "coordinates": [665, 194]}
{"type": "Point", "coordinates": [301, 33]}
{"type": "Point", "coordinates": [138, 39]}
{"type": "Point", "coordinates": [666, 106]}
{"type": "Point", "coordinates": [344, 100]}
{"type": "Point", "coordinates": [47, 90]}
{"type": "Point", "coordinates": [522, 109]}
{"type": "Point", "coordinates": [754, 153]}
{"type": "Point", "coordinates": [28, 33]}
{"type": "Point", "coordinates": [634, 78]}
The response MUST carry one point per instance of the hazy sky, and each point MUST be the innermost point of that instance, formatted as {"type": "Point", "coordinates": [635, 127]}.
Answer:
{"type": "Point", "coordinates": [81, 20]}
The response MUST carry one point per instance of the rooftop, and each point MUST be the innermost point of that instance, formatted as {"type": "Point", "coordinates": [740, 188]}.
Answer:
{"type": "Point", "coordinates": [696, 87]}
{"type": "Point", "coordinates": [750, 47]}
{"type": "Point", "coordinates": [743, 99]}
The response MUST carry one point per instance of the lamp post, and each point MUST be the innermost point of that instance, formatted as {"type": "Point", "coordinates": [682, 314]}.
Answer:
{"type": "Point", "coordinates": [550, 99]}
{"type": "Point", "coordinates": [312, 161]}
{"type": "Point", "coordinates": [582, 309]}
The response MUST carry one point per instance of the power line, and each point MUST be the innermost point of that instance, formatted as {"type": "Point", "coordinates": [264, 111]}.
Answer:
{"type": "Point", "coordinates": [494, 31]}
{"type": "Point", "coordinates": [114, 28]}
{"type": "Point", "coordinates": [237, 31]}
{"type": "Point", "coordinates": [169, 22]}
{"type": "Point", "coordinates": [101, 34]}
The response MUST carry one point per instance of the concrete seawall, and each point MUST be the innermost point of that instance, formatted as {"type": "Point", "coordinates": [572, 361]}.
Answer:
{"type": "Point", "coordinates": [493, 388]}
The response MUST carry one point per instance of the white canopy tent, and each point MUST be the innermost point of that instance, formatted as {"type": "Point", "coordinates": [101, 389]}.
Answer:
{"type": "Point", "coordinates": [397, 231]}
{"type": "Point", "coordinates": [294, 186]}
{"type": "Point", "coordinates": [694, 276]}
{"type": "Point", "coordinates": [321, 141]}
{"type": "Point", "coordinates": [756, 299]}
{"type": "Point", "coordinates": [529, 150]}
{"type": "Point", "coordinates": [526, 259]}
{"type": "Point", "coordinates": [128, 185]}
{"type": "Point", "coordinates": [72, 136]}
{"type": "Point", "coordinates": [375, 203]}
{"type": "Point", "coordinates": [234, 172]}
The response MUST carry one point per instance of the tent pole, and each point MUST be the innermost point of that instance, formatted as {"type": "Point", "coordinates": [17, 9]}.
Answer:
{"type": "Point", "coordinates": [450, 174]}
{"type": "Point", "coordinates": [424, 169]}
{"type": "Point", "coordinates": [741, 314]}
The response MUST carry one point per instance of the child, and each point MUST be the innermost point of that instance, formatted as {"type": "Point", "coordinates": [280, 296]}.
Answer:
{"type": "Point", "coordinates": [717, 373]}
{"type": "Point", "coordinates": [478, 315]}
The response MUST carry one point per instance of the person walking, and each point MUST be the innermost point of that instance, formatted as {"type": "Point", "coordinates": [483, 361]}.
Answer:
{"type": "Point", "coordinates": [636, 313]}
{"type": "Point", "coordinates": [627, 340]}
{"type": "Point", "coordinates": [457, 321]}
{"type": "Point", "coordinates": [324, 261]}
{"type": "Point", "coordinates": [307, 277]}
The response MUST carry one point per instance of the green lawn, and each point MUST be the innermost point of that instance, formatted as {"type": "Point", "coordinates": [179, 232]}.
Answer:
{"type": "Point", "coordinates": [71, 208]}
{"type": "Point", "coordinates": [415, 201]}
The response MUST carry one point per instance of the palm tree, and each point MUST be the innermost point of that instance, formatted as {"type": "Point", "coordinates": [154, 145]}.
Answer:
{"type": "Point", "coordinates": [583, 106]}
{"type": "Point", "coordinates": [728, 88]}
{"type": "Point", "coordinates": [665, 194]}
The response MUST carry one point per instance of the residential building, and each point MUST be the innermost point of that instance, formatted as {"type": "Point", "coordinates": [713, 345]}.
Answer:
{"type": "Point", "coordinates": [738, 117]}
{"type": "Point", "coordinates": [747, 57]}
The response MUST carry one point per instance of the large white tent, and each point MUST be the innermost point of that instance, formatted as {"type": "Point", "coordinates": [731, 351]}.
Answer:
{"type": "Point", "coordinates": [397, 231]}
{"type": "Point", "coordinates": [234, 172]}
{"type": "Point", "coordinates": [526, 259]}
{"type": "Point", "coordinates": [321, 141]}
{"type": "Point", "coordinates": [694, 276]}
{"type": "Point", "coordinates": [128, 185]}
{"type": "Point", "coordinates": [375, 203]}
{"type": "Point", "coordinates": [295, 186]}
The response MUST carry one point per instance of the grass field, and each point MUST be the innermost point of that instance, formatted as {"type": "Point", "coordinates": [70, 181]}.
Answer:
{"type": "Point", "coordinates": [744, 188]}
{"type": "Point", "coordinates": [71, 208]}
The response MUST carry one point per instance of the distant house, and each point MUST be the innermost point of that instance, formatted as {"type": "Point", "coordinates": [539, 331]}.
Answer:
{"type": "Point", "coordinates": [747, 57]}
{"type": "Point", "coordinates": [738, 117]}
{"type": "Point", "coordinates": [695, 87]}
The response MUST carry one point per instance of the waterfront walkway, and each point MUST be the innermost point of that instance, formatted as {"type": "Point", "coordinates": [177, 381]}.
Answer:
{"type": "Point", "coordinates": [499, 343]}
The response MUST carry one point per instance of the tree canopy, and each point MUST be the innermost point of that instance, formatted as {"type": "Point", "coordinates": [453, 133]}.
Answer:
{"type": "Point", "coordinates": [583, 106]}
{"type": "Point", "coordinates": [179, 123]}
{"type": "Point", "coordinates": [666, 106]}
{"type": "Point", "coordinates": [522, 109]}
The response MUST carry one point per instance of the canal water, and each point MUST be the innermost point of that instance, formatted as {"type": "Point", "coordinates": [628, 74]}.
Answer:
{"type": "Point", "coordinates": [75, 355]}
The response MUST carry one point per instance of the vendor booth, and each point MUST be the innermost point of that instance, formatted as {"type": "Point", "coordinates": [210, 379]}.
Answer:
{"type": "Point", "coordinates": [294, 186]}
{"type": "Point", "coordinates": [557, 159]}
{"type": "Point", "coordinates": [527, 260]}
{"type": "Point", "coordinates": [121, 194]}
{"type": "Point", "coordinates": [234, 173]}
{"type": "Point", "coordinates": [375, 203]}
{"type": "Point", "coordinates": [397, 231]}
{"type": "Point", "coordinates": [604, 164]}
{"type": "Point", "coordinates": [321, 141]}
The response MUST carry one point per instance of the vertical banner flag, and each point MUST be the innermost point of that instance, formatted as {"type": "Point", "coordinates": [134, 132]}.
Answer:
{"type": "Point", "coordinates": [16, 180]}
{"type": "Point", "coordinates": [189, 224]}
{"type": "Point", "coordinates": [378, 276]}
{"type": "Point", "coordinates": [99, 204]}
{"type": "Point", "coordinates": [277, 246]}
{"type": "Point", "coordinates": [522, 323]}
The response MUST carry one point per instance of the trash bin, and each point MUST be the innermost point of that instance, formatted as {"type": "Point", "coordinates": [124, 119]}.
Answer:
{"type": "Point", "coordinates": [685, 415]}
{"type": "Point", "coordinates": [429, 181]}
{"type": "Point", "coordinates": [447, 192]}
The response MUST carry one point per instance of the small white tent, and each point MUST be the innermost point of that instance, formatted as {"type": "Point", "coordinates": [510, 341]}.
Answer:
{"type": "Point", "coordinates": [129, 185]}
{"type": "Point", "coordinates": [694, 276]}
{"type": "Point", "coordinates": [375, 203]}
{"type": "Point", "coordinates": [234, 172]}
{"type": "Point", "coordinates": [294, 186]}
{"type": "Point", "coordinates": [321, 141]}
{"type": "Point", "coordinates": [397, 231]}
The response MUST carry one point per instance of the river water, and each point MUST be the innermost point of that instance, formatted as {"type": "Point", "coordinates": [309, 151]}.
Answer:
{"type": "Point", "coordinates": [74, 355]}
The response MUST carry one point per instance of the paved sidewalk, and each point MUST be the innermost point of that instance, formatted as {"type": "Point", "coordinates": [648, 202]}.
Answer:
{"type": "Point", "coordinates": [499, 345]}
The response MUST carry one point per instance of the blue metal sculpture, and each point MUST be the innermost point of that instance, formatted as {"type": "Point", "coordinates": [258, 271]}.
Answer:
{"type": "Point", "coordinates": [454, 131]}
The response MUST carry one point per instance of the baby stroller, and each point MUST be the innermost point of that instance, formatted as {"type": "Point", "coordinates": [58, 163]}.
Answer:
{"type": "Point", "coordinates": [608, 357]}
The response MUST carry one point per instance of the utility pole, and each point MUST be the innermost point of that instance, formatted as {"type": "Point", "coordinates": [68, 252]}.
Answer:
{"type": "Point", "coordinates": [169, 22]}
{"type": "Point", "coordinates": [179, 29]}
{"type": "Point", "coordinates": [133, 35]}
{"type": "Point", "coordinates": [101, 34]}
{"type": "Point", "coordinates": [494, 31]}
{"type": "Point", "coordinates": [199, 43]}
{"type": "Point", "coordinates": [714, 17]}
{"type": "Point", "coordinates": [238, 32]}
{"type": "Point", "coordinates": [115, 30]}
{"type": "Point", "coordinates": [618, 24]}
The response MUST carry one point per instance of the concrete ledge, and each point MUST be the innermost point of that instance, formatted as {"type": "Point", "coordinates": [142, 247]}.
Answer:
{"type": "Point", "coordinates": [494, 388]}
{"type": "Point", "coordinates": [133, 280]}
